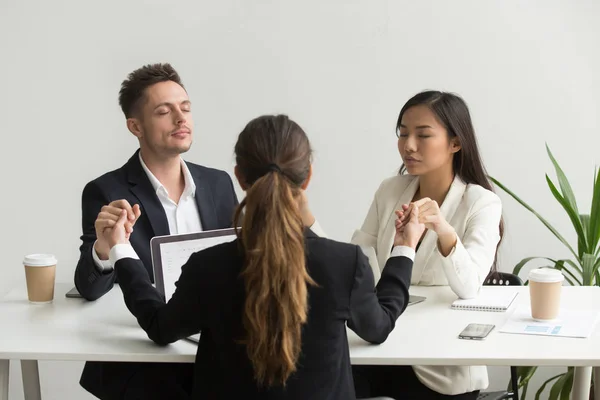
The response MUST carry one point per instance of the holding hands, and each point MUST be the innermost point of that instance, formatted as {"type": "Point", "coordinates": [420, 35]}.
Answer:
{"type": "Point", "coordinates": [408, 228]}
{"type": "Point", "coordinates": [107, 219]}
{"type": "Point", "coordinates": [117, 234]}
{"type": "Point", "coordinates": [430, 215]}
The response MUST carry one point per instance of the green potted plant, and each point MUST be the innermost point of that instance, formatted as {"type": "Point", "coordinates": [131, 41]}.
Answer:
{"type": "Point", "coordinates": [582, 269]}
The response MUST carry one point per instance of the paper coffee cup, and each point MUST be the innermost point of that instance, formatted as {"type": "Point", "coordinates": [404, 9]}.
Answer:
{"type": "Point", "coordinates": [40, 272]}
{"type": "Point", "coordinates": [545, 286]}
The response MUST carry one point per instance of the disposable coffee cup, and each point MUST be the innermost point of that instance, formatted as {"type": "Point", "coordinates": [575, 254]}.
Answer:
{"type": "Point", "coordinates": [40, 273]}
{"type": "Point", "coordinates": [545, 286]}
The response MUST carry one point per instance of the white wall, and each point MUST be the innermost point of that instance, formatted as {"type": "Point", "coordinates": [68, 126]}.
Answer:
{"type": "Point", "coordinates": [342, 69]}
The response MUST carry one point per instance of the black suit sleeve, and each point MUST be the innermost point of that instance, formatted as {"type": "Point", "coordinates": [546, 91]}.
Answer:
{"type": "Point", "coordinates": [373, 313]}
{"type": "Point", "coordinates": [182, 316]}
{"type": "Point", "coordinates": [89, 281]}
{"type": "Point", "coordinates": [234, 200]}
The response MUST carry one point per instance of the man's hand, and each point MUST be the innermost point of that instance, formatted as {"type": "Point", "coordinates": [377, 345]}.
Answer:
{"type": "Point", "coordinates": [409, 231]}
{"type": "Point", "coordinates": [117, 234]}
{"type": "Point", "coordinates": [108, 217]}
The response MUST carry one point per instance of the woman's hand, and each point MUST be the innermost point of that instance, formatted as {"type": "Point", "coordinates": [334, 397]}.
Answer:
{"type": "Point", "coordinates": [431, 216]}
{"type": "Point", "coordinates": [409, 232]}
{"type": "Point", "coordinates": [117, 234]}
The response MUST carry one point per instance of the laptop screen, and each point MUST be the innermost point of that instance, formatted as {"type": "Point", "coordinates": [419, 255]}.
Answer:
{"type": "Point", "coordinates": [170, 253]}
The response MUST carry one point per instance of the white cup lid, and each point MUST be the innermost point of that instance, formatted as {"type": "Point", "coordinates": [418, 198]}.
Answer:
{"type": "Point", "coordinates": [546, 275]}
{"type": "Point", "coordinates": [39, 260]}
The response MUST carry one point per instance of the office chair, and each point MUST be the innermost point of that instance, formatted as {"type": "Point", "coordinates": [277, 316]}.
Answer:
{"type": "Point", "coordinates": [503, 279]}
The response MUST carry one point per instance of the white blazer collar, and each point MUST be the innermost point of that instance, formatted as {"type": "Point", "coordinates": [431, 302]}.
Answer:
{"type": "Point", "coordinates": [429, 244]}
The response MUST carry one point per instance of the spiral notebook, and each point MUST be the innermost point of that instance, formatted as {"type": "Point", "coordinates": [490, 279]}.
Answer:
{"type": "Point", "coordinates": [496, 299]}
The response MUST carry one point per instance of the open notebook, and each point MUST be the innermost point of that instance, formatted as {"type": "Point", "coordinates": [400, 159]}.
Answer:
{"type": "Point", "coordinates": [489, 299]}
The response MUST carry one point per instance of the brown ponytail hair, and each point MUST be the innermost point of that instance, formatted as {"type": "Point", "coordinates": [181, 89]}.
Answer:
{"type": "Point", "coordinates": [273, 157]}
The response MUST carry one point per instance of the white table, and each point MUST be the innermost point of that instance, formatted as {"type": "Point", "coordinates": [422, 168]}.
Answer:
{"type": "Point", "coordinates": [433, 327]}
{"type": "Point", "coordinates": [104, 330]}
{"type": "Point", "coordinates": [74, 330]}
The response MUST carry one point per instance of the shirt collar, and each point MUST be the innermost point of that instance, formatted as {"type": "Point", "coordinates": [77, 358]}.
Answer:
{"type": "Point", "coordinates": [190, 185]}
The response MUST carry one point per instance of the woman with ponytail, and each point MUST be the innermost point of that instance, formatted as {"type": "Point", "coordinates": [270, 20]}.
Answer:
{"type": "Point", "coordinates": [273, 305]}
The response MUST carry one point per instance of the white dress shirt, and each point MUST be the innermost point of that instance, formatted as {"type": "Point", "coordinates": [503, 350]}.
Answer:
{"type": "Point", "coordinates": [183, 217]}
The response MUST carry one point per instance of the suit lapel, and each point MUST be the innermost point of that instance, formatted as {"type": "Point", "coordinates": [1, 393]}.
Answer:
{"type": "Point", "coordinates": [390, 230]}
{"type": "Point", "coordinates": [429, 243]}
{"type": "Point", "coordinates": [453, 198]}
{"type": "Point", "coordinates": [205, 203]}
{"type": "Point", "coordinates": [424, 253]}
{"type": "Point", "coordinates": [142, 189]}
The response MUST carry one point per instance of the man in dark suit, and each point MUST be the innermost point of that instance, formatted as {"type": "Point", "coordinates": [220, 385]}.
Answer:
{"type": "Point", "coordinates": [162, 195]}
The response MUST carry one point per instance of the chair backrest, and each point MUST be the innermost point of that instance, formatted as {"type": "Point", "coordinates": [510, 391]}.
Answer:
{"type": "Point", "coordinates": [502, 279]}
{"type": "Point", "coordinates": [505, 279]}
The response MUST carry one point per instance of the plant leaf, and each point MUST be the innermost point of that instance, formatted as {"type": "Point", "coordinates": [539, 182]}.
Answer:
{"type": "Point", "coordinates": [557, 264]}
{"type": "Point", "coordinates": [565, 393]}
{"type": "Point", "coordinates": [524, 392]}
{"type": "Point", "coordinates": [567, 278]}
{"type": "Point", "coordinates": [541, 389]}
{"type": "Point", "coordinates": [594, 231]}
{"type": "Point", "coordinates": [588, 264]}
{"type": "Point", "coordinates": [570, 281]}
{"type": "Point", "coordinates": [524, 375]}
{"type": "Point", "coordinates": [560, 265]}
{"type": "Point", "coordinates": [557, 387]}
{"type": "Point", "coordinates": [565, 186]}
{"type": "Point", "coordinates": [573, 215]}
{"type": "Point", "coordinates": [585, 224]}
{"type": "Point", "coordinates": [528, 207]}
{"type": "Point", "coordinates": [521, 264]}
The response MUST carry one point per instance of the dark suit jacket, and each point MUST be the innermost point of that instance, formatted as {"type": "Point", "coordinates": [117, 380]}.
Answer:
{"type": "Point", "coordinates": [216, 201]}
{"type": "Point", "coordinates": [215, 198]}
{"type": "Point", "coordinates": [210, 297]}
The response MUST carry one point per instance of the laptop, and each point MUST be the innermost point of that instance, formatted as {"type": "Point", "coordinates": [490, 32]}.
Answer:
{"type": "Point", "coordinates": [415, 299]}
{"type": "Point", "coordinates": [169, 253]}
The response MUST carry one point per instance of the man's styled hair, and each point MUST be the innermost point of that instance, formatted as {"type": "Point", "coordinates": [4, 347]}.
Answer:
{"type": "Point", "coordinates": [134, 87]}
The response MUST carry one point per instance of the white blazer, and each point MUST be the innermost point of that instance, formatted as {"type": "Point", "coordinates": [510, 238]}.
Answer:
{"type": "Point", "coordinates": [474, 212]}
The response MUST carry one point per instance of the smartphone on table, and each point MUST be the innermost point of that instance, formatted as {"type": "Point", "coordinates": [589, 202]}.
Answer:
{"type": "Point", "coordinates": [476, 331]}
{"type": "Point", "coordinates": [73, 293]}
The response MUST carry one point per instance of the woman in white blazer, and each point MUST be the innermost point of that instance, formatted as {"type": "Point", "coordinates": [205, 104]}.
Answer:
{"type": "Point", "coordinates": [443, 174]}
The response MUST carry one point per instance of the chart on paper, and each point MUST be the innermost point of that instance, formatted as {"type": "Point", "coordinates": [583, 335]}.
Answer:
{"type": "Point", "coordinates": [569, 323]}
{"type": "Point", "coordinates": [174, 255]}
